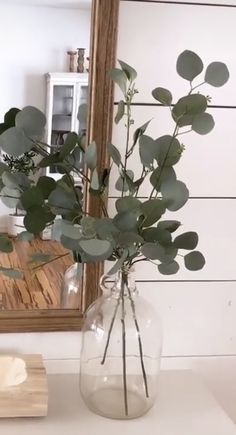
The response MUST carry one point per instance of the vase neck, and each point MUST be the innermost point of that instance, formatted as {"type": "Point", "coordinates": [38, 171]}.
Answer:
{"type": "Point", "coordinates": [124, 284]}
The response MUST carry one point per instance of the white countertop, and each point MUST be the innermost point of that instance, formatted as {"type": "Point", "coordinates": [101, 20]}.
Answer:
{"type": "Point", "coordinates": [184, 407]}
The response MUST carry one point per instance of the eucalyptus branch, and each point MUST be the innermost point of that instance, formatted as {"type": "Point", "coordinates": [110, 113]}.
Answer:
{"type": "Point", "coordinates": [124, 344]}
{"type": "Point", "coordinates": [195, 87]}
{"type": "Point", "coordinates": [110, 329]}
{"type": "Point", "coordinates": [142, 175]}
{"type": "Point", "coordinates": [139, 340]}
{"type": "Point", "coordinates": [50, 261]}
{"type": "Point", "coordinates": [164, 161]}
{"type": "Point", "coordinates": [128, 101]}
{"type": "Point", "coordinates": [185, 132]}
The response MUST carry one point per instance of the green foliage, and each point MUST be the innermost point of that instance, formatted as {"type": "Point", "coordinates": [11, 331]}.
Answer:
{"type": "Point", "coordinates": [5, 244]}
{"type": "Point", "coordinates": [137, 230]}
{"type": "Point", "coordinates": [163, 96]}
{"type": "Point", "coordinates": [189, 65]}
{"type": "Point", "coordinates": [217, 74]}
{"type": "Point", "coordinates": [120, 111]}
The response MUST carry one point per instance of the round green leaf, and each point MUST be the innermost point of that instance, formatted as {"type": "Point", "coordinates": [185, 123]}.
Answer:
{"type": "Point", "coordinates": [161, 174]}
{"type": "Point", "coordinates": [189, 65]}
{"type": "Point", "coordinates": [194, 261]}
{"type": "Point", "coordinates": [88, 224]}
{"type": "Point", "coordinates": [169, 225]}
{"type": "Point", "coordinates": [185, 120]}
{"type": "Point", "coordinates": [11, 273]}
{"type": "Point", "coordinates": [168, 268]}
{"type": "Point", "coordinates": [32, 121]}
{"type": "Point", "coordinates": [35, 221]}
{"type": "Point", "coordinates": [25, 236]}
{"type": "Point", "coordinates": [127, 238]}
{"type": "Point", "coordinates": [152, 209]}
{"type": "Point", "coordinates": [90, 156]}
{"type": "Point", "coordinates": [127, 203]}
{"type": "Point", "coordinates": [70, 230]}
{"type": "Point", "coordinates": [68, 243]}
{"type": "Point", "coordinates": [32, 198]}
{"type": "Point", "coordinates": [190, 105]}
{"type": "Point", "coordinates": [157, 235]}
{"type": "Point", "coordinates": [39, 257]}
{"type": "Point", "coordinates": [5, 244]}
{"type": "Point", "coordinates": [10, 197]}
{"type": "Point", "coordinates": [10, 117]}
{"type": "Point", "coordinates": [96, 248]}
{"type": "Point", "coordinates": [147, 150]}
{"type": "Point", "coordinates": [105, 229]}
{"type": "Point", "coordinates": [82, 115]}
{"type": "Point", "coordinates": [174, 193]}
{"type": "Point", "coordinates": [10, 180]}
{"type": "Point", "coordinates": [95, 184]}
{"type": "Point", "coordinates": [14, 142]}
{"type": "Point", "coordinates": [217, 74]}
{"type": "Point", "coordinates": [163, 96]}
{"type": "Point", "coordinates": [122, 183]}
{"type": "Point", "coordinates": [169, 151]}
{"type": "Point", "coordinates": [126, 220]}
{"type": "Point", "coordinates": [155, 251]}
{"type": "Point", "coordinates": [46, 185]}
{"type": "Point", "coordinates": [203, 123]}
{"type": "Point", "coordinates": [187, 240]}
{"type": "Point", "coordinates": [61, 201]}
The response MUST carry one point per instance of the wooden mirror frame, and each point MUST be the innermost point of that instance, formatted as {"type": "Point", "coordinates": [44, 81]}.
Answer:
{"type": "Point", "coordinates": [104, 25]}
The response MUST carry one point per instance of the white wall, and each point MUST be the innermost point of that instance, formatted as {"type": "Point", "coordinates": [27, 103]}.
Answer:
{"type": "Point", "coordinates": [33, 41]}
{"type": "Point", "coordinates": [199, 310]}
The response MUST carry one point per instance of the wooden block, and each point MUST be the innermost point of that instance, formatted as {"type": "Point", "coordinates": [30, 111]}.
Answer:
{"type": "Point", "coordinates": [29, 399]}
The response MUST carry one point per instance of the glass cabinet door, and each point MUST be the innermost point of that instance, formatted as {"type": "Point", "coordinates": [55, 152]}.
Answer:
{"type": "Point", "coordinates": [62, 117]}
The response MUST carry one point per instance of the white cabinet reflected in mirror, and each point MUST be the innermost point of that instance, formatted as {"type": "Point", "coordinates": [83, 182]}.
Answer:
{"type": "Point", "coordinates": [36, 36]}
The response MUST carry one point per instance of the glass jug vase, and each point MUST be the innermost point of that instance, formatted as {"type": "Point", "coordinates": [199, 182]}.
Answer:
{"type": "Point", "coordinates": [120, 355]}
{"type": "Point", "coordinates": [71, 287]}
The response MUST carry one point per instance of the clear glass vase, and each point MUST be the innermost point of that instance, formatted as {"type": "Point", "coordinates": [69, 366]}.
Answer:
{"type": "Point", "coordinates": [71, 287]}
{"type": "Point", "coordinates": [121, 349]}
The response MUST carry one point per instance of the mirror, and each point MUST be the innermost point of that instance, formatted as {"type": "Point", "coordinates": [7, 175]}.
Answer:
{"type": "Point", "coordinates": [48, 64]}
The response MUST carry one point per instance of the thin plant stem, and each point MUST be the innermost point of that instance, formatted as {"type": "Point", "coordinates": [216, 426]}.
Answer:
{"type": "Point", "coordinates": [110, 330]}
{"type": "Point", "coordinates": [127, 141]}
{"type": "Point", "coordinates": [44, 153]}
{"type": "Point", "coordinates": [139, 338]}
{"type": "Point", "coordinates": [124, 346]}
{"type": "Point", "coordinates": [195, 87]}
{"type": "Point", "coordinates": [50, 261]}
{"type": "Point", "coordinates": [165, 159]}
{"type": "Point", "coordinates": [185, 132]}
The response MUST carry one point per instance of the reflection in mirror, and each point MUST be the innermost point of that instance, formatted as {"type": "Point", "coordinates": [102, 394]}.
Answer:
{"type": "Point", "coordinates": [44, 48]}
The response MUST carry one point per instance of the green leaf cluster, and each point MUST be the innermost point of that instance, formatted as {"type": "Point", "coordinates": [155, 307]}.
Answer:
{"type": "Point", "coordinates": [138, 229]}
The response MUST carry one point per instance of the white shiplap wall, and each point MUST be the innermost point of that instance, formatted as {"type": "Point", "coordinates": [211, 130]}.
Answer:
{"type": "Point", "coordinates": [198, 310]}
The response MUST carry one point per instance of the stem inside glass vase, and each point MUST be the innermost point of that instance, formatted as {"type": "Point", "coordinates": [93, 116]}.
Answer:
{"type": "Point", "coordinates": [125, 292]}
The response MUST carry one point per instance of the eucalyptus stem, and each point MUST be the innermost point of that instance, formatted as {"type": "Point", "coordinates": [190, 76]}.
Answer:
{"type": "Point", "coordinates": [164, 161]}
{"type": "Point", "coordinates": [50, 261]}
{"type": "Point", "coordinates": [139, 339]}
{"type": "Point", "coordinates": [128, 101]}
{"type": "Point", "coordinates": [110, 330]}
{"type": "Point", "coordinates": [124, 345]}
